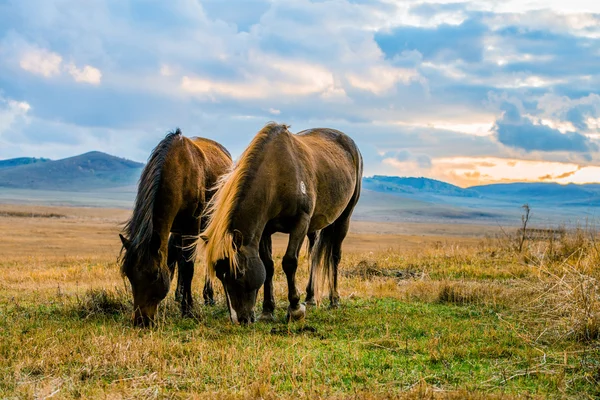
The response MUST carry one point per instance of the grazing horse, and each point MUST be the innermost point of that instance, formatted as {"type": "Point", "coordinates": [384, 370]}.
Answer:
{"type": "Point", "coordinates": [174, 188]}
{"type": "Point", "coordinates": [304, 184]}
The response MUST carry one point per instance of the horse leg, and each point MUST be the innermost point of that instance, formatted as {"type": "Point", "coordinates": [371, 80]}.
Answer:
{"type": "Point", "coordinates": [173, 260]}
{"type": "Point", "coordinates": [310, 291]}
{"type": "Point", "coordinates": [296, 311]}
{"type": "Point", "coordinates": [341, 230]}
{"type": "Point", "coordinates": [265, 252]}
{"type": "Point", "coordinates": [186, 274]}
{"type": "Point", "coordinates": [208, 293]}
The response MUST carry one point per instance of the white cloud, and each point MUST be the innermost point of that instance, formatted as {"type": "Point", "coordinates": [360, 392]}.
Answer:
{"type": "Point", "coordinates": [166, 70]}
{"type": "Point", "coordinates": [380, 79]}
{"type": "Point", "coordinates": [403, 15]}
{"type": "Point", "coordinates": [470, 128]}
{"type": "Point", "coordinates": [452, 71]}
{"type": "Point", "coordinates": [531, 81]}
{"type": "Point", "coordinates": [10, 112]}
{"type": "Point", "coordinates": [561, 126]}
{"type": "Point", "coordinates": [470, 171]}
{"type": "Point", "coordinates": [266, 77]}
{"type": "Point", "coordinates": [87, 74]}
{"type": "Point", "coordinates": [41, 62]}
{"type": "Point", "coordinates": [576, 23]}
{"type": "Point", "coordinates": [49, 64]}
{"type": "Point", "coordinates": [293, 59]}
{"type": "Point", "coordinates": [571, 6]}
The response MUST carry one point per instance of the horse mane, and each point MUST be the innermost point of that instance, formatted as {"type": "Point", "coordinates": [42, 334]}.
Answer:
{"type": "Point", "coordinates": [218, 235]}
{"type": "Point", "coordinates": [139, 228]}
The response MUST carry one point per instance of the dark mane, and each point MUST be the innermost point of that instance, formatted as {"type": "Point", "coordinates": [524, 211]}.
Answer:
{"type": "Point", "coordinates": [139, 227]}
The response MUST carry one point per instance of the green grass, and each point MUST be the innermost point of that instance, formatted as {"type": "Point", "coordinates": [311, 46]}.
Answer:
{"type": "Point", "coordinates": [376, 346]}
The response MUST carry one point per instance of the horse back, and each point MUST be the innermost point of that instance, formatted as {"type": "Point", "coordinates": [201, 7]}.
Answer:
{"type": "Point", "coordinates": [216, 158]}
{"type": "Point", "coordinates": [335, 169]}
{"type": "Point", "coordinates": [191, 170]}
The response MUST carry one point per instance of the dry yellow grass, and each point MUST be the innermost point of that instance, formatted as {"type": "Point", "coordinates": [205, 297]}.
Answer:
{"type": "Point", "coordinates": [439, 313]}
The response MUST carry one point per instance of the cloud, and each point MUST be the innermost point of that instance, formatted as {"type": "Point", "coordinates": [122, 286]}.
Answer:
{"type": "Point", "coordinates": [563, 175]}
{"type": "Point", "coordinates": [11, 112]}
{"type": "Point", "coordinates": [49, 64]}
{"type": "Point", "coordinates": [381, 79]}
{"type": "Point", "coordinates": [516, 131]}
{"type": "Point", "coordinates": [41, 62]}
{"type": "Point", "coordinates": [405, 159]}
{"type": "Point", "coordinates": [579, 112]}
{"type": "Point", "coordinates": [87, 74]}
{"type": "Point", "coordinates": [166, 70]}
{"type": "Point", "coordinates": [268, 77]}
{"type": "Point", "coordinates": [427, 77]}
{"type": "Point", "coordinates": [243, 13]}
{"type": "Point", "coordinates": [441, 43]}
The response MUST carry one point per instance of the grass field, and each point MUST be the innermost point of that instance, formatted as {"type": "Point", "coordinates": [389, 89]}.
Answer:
{"type": "Point", "coordinates": [428, 311]}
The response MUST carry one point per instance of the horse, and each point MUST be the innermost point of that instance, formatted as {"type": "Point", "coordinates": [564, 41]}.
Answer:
{"type": "Point", "coordinates": [175, 186]}
{"type": "Point", "coordinates": [304, 184]}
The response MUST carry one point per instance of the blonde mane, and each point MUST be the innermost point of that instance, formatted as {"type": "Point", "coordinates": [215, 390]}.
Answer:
{"type": "Point", "coordinates": [218, 235]}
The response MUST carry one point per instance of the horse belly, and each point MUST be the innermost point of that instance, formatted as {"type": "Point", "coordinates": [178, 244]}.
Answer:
{"type": "Point", "coordinates": [328, 208]}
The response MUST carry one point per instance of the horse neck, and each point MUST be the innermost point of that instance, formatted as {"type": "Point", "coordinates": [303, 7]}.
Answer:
{"type": "Point", "coordinates": [171, 192]}
{"type": "Point", "coordinates": [254, 205]}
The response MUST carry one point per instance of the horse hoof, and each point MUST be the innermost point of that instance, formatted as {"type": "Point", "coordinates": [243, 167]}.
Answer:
{"type": "Point", "coordinates": [209, 303]}
{"type": "Point", "coordinates": [311, 302]}
{"type": "Point", "coordinates": [298, 314]}
{"type": "Point", "coordinates": [334, 304]}
{"type": "Point", "coordinates": [267, 317]}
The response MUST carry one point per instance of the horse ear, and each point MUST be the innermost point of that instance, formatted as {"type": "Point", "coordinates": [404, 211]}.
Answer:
{"type": "Point", "coordinates": [126, 242]}
{"type": "Point", "coordinates": [237, 239]}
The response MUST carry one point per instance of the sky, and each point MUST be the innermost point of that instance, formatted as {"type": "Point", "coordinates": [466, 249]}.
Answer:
{"type": "Point", "coordinates": [470, 92]}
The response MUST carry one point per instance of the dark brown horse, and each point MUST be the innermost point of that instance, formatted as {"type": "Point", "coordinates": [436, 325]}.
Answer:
{"type": "Point", "coordinates": [175, 185]}
{"type": "Point", "coordinates": [301, 184]}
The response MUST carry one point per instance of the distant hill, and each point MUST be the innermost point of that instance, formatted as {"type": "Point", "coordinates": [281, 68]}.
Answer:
{"type": "Point", "coordinates": [520, 192]}
{"type": "Point", "coordinates": [391, 196]}
{"type": "Point", "coordinates": [415, 186]}
{"type": "Point", "coordinates": [548, 192]}
{"type": "Point", "coordinates": [103, 179]}
{"type": "Point", "coordinates": [89, 171]}
{"type": "Point", "coordinates": [17, 162]}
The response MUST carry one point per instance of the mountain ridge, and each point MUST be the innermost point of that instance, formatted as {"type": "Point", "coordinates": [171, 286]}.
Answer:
{"type": "Point", "coordinates": [19, 161]}
{"type": "Point", "coordinates": [91, 170]}
{"type": "Point", "coordinates": [97, 170]}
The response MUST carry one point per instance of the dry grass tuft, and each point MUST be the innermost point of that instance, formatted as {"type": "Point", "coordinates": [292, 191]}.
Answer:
{"type": "Point", "coordinates": [24, 214]}
{"type": "Point", "coordinates": [103, 302]}
{"type": "Point", "coordinates": [367, 269]}
{"type": "Point", "coordinates": [470, 293]}
{"type": "Point", "coordinates": [570, 301]}
{"type": "Point", "coordinates": [567, 286]}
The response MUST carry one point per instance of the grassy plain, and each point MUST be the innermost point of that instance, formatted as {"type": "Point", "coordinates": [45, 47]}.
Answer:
{"type": "Point", "coordinates": [428, 311]}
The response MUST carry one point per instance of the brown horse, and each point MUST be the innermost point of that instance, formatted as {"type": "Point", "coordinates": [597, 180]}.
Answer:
{"type": "Point", "coordinates": [301, 184]}
{"type": "Point", "coordinates": [175, 185]}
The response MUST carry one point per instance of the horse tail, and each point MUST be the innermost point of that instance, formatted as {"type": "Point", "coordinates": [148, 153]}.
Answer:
{"type": "Point", "coordinates": [321, 259]}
